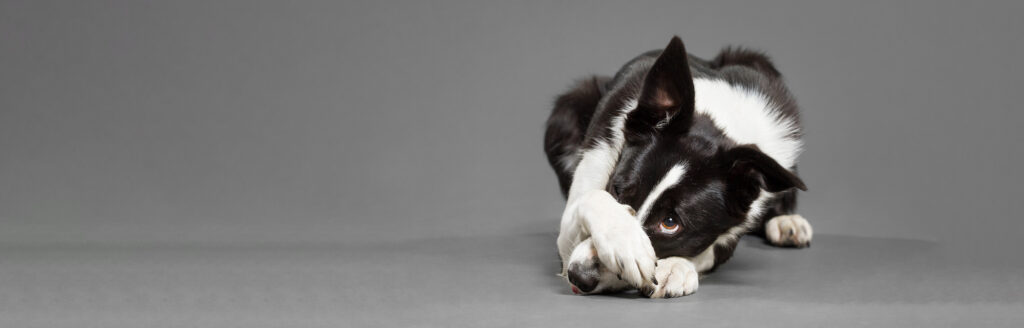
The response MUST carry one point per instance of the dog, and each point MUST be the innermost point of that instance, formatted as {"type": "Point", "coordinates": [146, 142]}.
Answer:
{"type": "Point", "coordinates": [666, 164]}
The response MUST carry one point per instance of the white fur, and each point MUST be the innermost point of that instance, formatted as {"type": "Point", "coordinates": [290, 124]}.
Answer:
{"type": "Point", "coordinates": [670, 179]}
{"type": "Point", "coordinates": [584, 253]}
{"type": "Point", "coordinates": [618, 238]}
{"type": "Point", "coordinates": [594, 170]}
{"type": "Point", "coordinates": [676, 277]}
{"type": "Point", "coordinates": [747, 117]}
{"type": "Point", "coordinates": [705, 260]}
{"type": "Point", "coordinates": [789, 230]}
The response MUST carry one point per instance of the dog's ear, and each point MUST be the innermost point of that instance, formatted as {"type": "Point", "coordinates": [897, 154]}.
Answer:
{"type": "Point", "coordinates": [667, 95]}
{"type": "Point", "coordinates": [748, 171]}
{"type": "Point", "coordinates": [747, 161]}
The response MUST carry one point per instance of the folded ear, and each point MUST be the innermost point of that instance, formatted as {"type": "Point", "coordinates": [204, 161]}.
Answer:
{"type": "Point", "coordinates": [667, 93]}
{"type": "Point", "coordinates": [747, 162]}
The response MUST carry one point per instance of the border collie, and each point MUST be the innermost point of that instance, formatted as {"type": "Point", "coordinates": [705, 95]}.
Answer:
{"type": "Point", "coordinates": [665, 165]}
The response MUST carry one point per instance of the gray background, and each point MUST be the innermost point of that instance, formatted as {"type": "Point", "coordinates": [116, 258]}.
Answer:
{"type": "Point", "coordinates": [380, 163]}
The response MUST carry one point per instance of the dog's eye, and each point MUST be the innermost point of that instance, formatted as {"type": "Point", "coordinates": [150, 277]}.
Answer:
{"type": "Point", "coordinates": [669, 225]}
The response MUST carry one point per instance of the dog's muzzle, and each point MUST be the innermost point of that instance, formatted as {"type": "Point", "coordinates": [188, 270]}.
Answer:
{"type": "Point", "coordinates": [584, 278]}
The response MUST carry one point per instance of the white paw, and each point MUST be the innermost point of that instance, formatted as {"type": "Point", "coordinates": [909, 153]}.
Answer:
{"type": "Point", "coordinates": [789, 230]}
{"type": "Point", "coordinates": [676, 277]}
{"type": "Point", "coordinates": [620, 241]}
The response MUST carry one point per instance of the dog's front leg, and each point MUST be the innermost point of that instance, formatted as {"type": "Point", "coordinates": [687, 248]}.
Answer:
{"type": "Point", "coordinates": [570, 234]}
{"type": "Point", "coordinates": [592, 173]}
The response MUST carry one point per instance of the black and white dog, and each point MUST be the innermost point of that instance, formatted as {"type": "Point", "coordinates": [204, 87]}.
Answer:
{"type": "Point", "coordinates": [666, 164]}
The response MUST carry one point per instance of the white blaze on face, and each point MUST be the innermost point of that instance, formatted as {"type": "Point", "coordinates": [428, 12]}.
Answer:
{"type": "Point", "coordinates": [669, 180]}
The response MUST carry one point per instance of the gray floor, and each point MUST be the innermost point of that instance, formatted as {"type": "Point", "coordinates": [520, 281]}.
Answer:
{"type": "Point", "coordinates": [498, 280]}
{"type": "Point", "coordinates": [258, 163]}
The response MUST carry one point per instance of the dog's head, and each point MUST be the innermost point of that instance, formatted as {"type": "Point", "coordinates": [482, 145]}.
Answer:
{"type": "Point", "coordinates": [689, 182]}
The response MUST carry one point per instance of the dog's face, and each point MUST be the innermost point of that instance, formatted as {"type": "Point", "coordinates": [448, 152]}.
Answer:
{"type": "Point", "coordinates": [689, 183]}
{"type": "Point", "coordinates": [690, 189]}
{"type": "Point", "coordinates": [679, 186]}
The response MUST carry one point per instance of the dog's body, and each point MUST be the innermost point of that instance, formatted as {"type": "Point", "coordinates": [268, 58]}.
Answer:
{"type": "Point", "coordinates": [704, 151]}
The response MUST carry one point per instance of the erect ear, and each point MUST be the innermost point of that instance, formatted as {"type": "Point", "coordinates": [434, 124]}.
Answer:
{"type": "Point", "coordinates": [747, 162]}
{"type": "Point", "coordinates": [667, 92]}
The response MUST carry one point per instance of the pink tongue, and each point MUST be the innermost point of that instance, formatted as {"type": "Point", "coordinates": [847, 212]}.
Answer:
{"type": "Point", "coordinates": [575, 290]}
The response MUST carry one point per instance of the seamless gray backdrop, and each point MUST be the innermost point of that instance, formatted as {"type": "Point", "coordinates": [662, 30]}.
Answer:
{"type": "Point", "coordinates": [190, 122]}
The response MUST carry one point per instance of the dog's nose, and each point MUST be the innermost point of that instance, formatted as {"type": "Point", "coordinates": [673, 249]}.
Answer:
{"type": "Point", "coordinates": [582, 278]}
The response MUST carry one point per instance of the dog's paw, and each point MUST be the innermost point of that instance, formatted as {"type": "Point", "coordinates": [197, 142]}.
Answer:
{"type": "Point", "coordinates": [789, 230]}
{"type": "Point", "coordinates": [630, 257]}
{"type": "Point", "coordinates": [676, 277]}
{"type": "Point", "coordinates": [622, 245]}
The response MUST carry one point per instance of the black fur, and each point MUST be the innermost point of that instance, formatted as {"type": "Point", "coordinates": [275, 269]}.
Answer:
{"type": "Point", "coordinates": [736, 56]}
{"type": "Point", "coordinates": [566, 127]}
